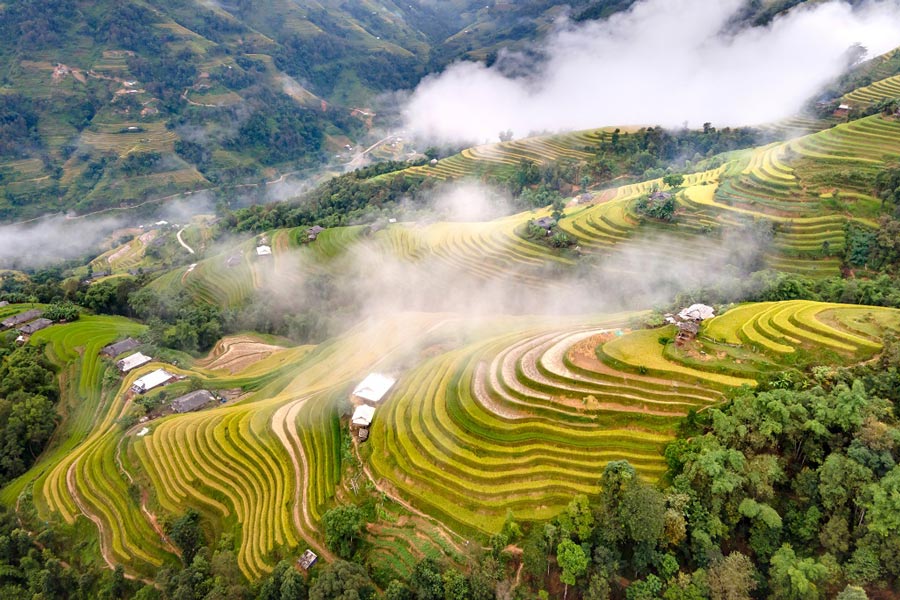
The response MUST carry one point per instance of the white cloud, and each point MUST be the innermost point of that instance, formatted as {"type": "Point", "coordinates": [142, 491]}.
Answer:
{"type": "Point", "coordinates": [663, 62]}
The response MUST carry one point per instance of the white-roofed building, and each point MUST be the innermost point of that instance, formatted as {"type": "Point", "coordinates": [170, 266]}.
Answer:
{"type": "Point", "coordinates": [151, 380]}
{"type": "Point", "coordinates": [374, 387]}
{"type": "Point", "coordinates": [362, 416]}
{"type": "Point", "coordinates": [697, 312]}
{"type": "Point", "coordinates": [133, 362]}
{"type": "Point", "coordinates": [263, 251]}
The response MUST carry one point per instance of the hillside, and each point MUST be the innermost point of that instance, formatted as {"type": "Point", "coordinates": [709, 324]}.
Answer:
{"type": "Point", "coordinates": [109, 104]}
{"type": "Point", "coordinates": [621, 363]}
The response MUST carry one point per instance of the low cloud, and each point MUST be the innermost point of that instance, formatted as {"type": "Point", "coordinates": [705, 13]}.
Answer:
{"type": "Point", "coordinates": [52, 240]}
{"type": "Point", "coordinates": [663, 62]}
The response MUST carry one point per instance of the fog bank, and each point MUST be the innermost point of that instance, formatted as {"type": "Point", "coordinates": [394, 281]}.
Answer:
{"type": "Point", "coordinates": [664, 62]}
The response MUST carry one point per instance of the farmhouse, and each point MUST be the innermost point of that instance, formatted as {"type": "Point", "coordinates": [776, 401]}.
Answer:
{"type": "Point", "coordinates": [688, 321]}
{"type": "Point", "coordinates": [313, 232]}
{"type": "Point", "coordinates": [659, 196]}
{"type": "Point", "coordinates": [35, 325]}
{"type": "Point", "coordinates": [373, 388]}
{"type": "Point", "coordinates": [307, 560]}
{"type": "Point", "coordinates": [697, 312]}
{"type": "Point", "coordinates": [193, 401]}
{"type": "Point", "coordinates": [119, 348]}
{"type": "Point", "coordinates": [362, 416]}
{"type": "Point", "coordinates": [16, 320]}
{"type": "Point", "coordinates": [263, 251]}
{"type": "Point", "coordinates": [843, 110]}
{"type": "Point", "coordinates": [132, 362]}
{"type": "Point", "coordinates": [152, 380]}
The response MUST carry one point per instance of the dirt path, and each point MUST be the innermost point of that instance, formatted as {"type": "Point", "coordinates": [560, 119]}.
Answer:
{"type": "Point", "coordinates": [104, 547]}
{"type": "Point", "coordinates": [283, 425]}
{"type": "Point", "coordinates": [151, 517]}
{"type": "Point", "coordinates": [446, 533]}
{"type": "Point", "coordinates": [182, 242]}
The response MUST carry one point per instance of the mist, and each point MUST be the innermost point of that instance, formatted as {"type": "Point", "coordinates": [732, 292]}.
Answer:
{"type": "Point", "coordinates": [372, 280]}
{"type": "Point", "coordinates": [664, 62]}
{"type": "Point", "coordinates": [52, 240]}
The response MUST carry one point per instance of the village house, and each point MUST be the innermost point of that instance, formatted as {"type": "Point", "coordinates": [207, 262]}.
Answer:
{"type": "Point", "coordinates": [119, 348]}
{"type": "Point", "coordinates": [545, 223]}
{"type": "Point", "coordinates": [129, 363]}
{"type": "Point", "coordinates": [313, 232]}
{"type": "Point", "coordinates": [373, 388]}
{"type": "Point", "coordinates": [688, 322]}
{"type": "Point", "coordinates": [361, 420]}
{"type": "Point", "coordinates": [152, 380]}
{"type": "Point", "coordinates": [843, 111]}
{"type": "Point", "coordinates": [34, 326]}
{"type": "Point", "coordinates": [21, 318]}
{"type": "Point", "coordinates": [307, 560]}
{"type": "Point", "coordinates": [193, 401]}
{"type": "Point", "coordinates": [263, 251]}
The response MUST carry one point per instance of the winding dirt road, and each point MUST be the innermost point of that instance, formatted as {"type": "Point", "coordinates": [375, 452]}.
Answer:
{"type": "Point", "coordinates": [284, 425]}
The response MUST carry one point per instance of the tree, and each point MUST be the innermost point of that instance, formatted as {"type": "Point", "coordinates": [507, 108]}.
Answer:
{"type": "Point", "coordinates": [426, 582]}
{"type": "Point", "coordinates": [673, 180]}
{"type": "Point", "coordinates": [342, 580]}
{"type": "Point", "coordinates": [795, 578]}
{"type": "Point", "coordinates": [343, 525]}
{"type": "Point", "coordinates": [852, 592]}
{"type": "Point", "coordinates": [732, 578]}
{"type": "Point", "coordinates": [456, 586]}
{"type": "Point", "coordinates": [185, 532]}
{"type": "Point", "coordinates": [884, 506]}
{"type": "Point", "coordinates": [573, 562]}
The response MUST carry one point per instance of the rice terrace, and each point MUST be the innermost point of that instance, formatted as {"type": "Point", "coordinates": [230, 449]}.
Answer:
{"type": "Point", "coordinates": [450, 301]}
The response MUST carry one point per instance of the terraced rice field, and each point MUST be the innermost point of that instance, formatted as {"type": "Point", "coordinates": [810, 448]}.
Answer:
{"type": "Point", "coordinates": [116, 138]}
{"type": "Point", "coordinates": [473, 162]}
{"type": "Point", "coordinates": [525, 420]}
{"type": "Point", "coordinates": [885, 89]}
{"type": "Point", "coordinates": [519, 416]}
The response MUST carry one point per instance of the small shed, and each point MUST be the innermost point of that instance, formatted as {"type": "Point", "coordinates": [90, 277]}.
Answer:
{"type": "Point", "coordinates": [119, 348]}
{"type": "Point", "coordinates": [307, 560]}
{"type": "Point", "coordinates": [152, 380]}
{"type": "Point", "coordinates": [132, 362]}
{"type": "Point", "coordinates": [659, 196]}
{"type": "Point", "coordinates": [585, 198]}
{"type": "Point", "coordinates": [687, 332]}
{"type": "Point", "coordinates": [313, 232]}
{"type": "Point", "coordinates": [263, 251]}
{"type": "Point", "coordinates": [362, 434]}
{"type": "Point", "coordinates": [362, 416]}
{"type": "Point", "coordinates": [34, 326]}
{"type": "Point", "coordinates": [843, 110]}
{"type": "Point", "coordinates": [193, 401]}
{"type": "Point", "coordinates": [373, 388]}
{"type": "Point", "coordinates": [545, 223]}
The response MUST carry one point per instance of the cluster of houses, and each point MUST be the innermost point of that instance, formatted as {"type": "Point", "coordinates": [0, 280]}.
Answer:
{"type": "Point", "coordinates": [25, 323]}
{"type": "Point", "coordinates": [688, 322]}
{"type": "Point", "coordinates": [154, 379]}
{"type": "Point", "coordinates": [366, 396]}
